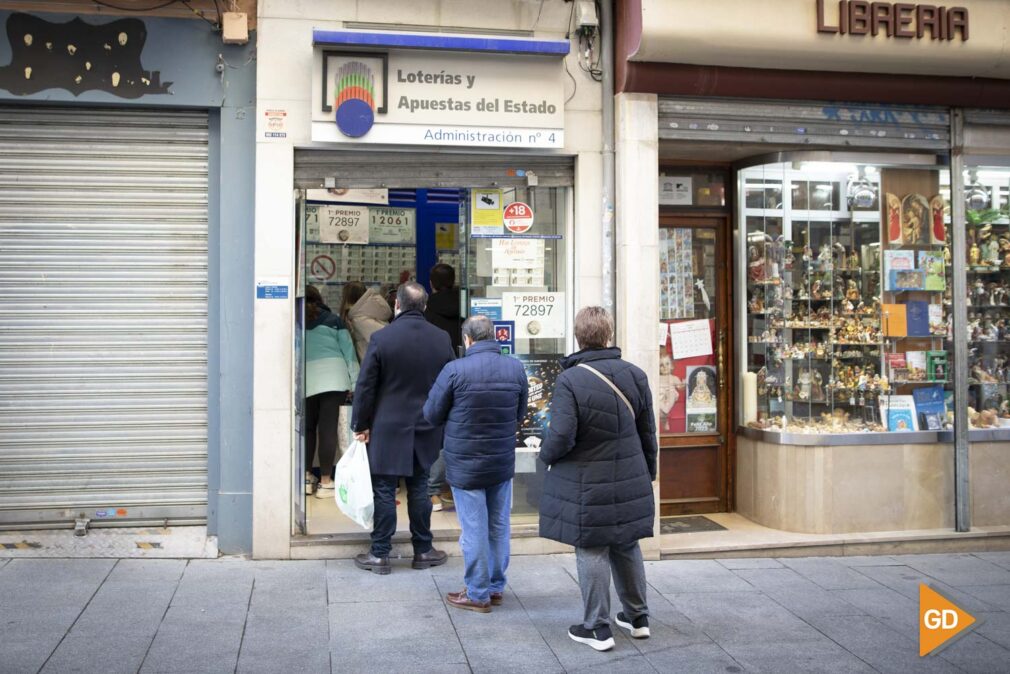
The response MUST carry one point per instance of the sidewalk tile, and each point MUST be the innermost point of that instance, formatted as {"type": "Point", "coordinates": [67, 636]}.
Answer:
{"type": "Point", "coordinates": [742, 617]}
{"type": "Point", "coordinates": [214, 583]}
{"type": "Point", "coordinates": [959, 570]}
{"type": "Point", "coordinates": [889, 607]}
{"type": "Point", "coordinates": [694, 659]}
{"type": "Point", "coordinates": [693, 575]}
{"type": "Point", "coordinates": [975, 653]}
{"type": "Point", "coordinates": [109, 653]}
{"type": "Point", "coordinates": [995, 627]}
{"type": "Point", "coordinates": [669, 627]}
{"type": "Point", "coordinates": [797, 594]}
{"type": "Point", "coordinates": [906, 580]}
{"type": "Point", "coordinates": [997, 596]}
{"type": "Point", "coordinates": [823, 655]}
{"type": "Point", "coordinates": [414, 636]}
{"type": "Point", "coordinates": [347, 583]}
{"type": "Point", "coordinates": [829, 573]}
{"type": "Point", "coordinates": [288, 640]}
{"type": "Point", "coordinates": [1001, 559]}
{"type": "Point", "coordinates": [867, 560]}
{"type": "Point", "coordinates": [530, 579]}
{"type": "Point", "coordinates": [750, 563]}
{"type": "Point", "coordinates": [505, 639]}
{"type": "Point", "coordinates": [147, 571]}
{"type": "Point", "coordinates": [878, 645]}
{"type": "Point", "coordinates": [290, 583]}
{"type": "Point", "coordinates": [194, 639]}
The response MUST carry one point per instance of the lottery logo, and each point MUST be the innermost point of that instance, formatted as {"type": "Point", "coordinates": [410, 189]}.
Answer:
{"type": "Point", "coordinates": [355, 99]}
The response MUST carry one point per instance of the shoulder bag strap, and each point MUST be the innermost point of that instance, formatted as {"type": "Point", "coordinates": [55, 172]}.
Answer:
{"type": "Point", "coordinates": [620, 394]}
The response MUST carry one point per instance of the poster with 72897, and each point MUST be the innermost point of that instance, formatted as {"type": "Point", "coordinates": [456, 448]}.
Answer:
{"type": "Point", "coordinates": [537, 315]}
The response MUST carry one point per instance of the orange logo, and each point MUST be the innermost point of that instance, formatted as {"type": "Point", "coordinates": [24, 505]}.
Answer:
{"type": "Point", "coordinates": [940, 620]}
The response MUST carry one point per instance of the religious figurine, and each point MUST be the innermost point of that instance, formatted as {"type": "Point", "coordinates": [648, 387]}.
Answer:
{"type": "Point", "coordinates": [946, 256]}
{"type": "Point", "coordinates": [804, 385]}
{"type": "Point", "coordinates": [992, 254]}
{"type": "Point", "coordinates": [853, 260]}
{"type": "Point", "coordinates": [988, 333]}
{"type": "Point", "coordinates": [788, 257]}
{"type": "Point", "coordinates": [974, 254]}
{"type": "Point", "coordinates": [824, 257]}
{"type": "Point", "coordinates": [755, 266]}
{"type": "Point", "coordinates": [852, 290]}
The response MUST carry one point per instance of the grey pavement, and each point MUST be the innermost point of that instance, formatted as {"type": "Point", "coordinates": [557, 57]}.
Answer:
{"type": "Point", "coordinates": [827, 614]}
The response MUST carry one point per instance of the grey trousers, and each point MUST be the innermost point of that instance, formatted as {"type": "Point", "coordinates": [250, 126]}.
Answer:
{"type": "Point", "coordinates": [595, 566]}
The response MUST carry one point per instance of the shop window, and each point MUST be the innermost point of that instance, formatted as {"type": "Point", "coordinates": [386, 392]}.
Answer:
{"type": "Point", "coordinates": [516, 275]}
{"type": "Point", "coordinates": [846, 273]}
{"type": "Point", "coordinates": [987, 197]}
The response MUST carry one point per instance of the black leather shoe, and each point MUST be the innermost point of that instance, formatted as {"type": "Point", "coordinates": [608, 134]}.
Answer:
{"type": "Point", "coordinates": [426, 560]}
{"type": "Point", "coordinates": [370, 562]}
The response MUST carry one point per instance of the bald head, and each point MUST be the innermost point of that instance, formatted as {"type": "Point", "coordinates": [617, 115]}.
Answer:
{"type": "Point", "coordinates": [411, 296]}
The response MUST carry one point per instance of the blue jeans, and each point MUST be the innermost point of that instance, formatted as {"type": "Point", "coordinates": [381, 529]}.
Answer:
{"type": "Point", "coordinates": [484, 518]}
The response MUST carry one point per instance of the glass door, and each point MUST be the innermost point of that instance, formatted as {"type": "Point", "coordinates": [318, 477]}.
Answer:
{"type": "Point", "coordinates": [694, 378]}
{"type": "Point", "coordinates": [298, 374]}
{"type": "Point", "coordinates": [516, 266]}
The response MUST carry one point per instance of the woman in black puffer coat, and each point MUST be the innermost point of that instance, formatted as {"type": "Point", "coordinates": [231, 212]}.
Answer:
{"type": "Point", "coordinates": [601, 455]}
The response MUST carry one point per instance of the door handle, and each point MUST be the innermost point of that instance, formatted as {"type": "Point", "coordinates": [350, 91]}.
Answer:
{"type": "Point", "coordinates": [721, 362]}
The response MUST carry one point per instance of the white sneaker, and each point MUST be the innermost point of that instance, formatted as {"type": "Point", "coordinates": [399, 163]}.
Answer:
{"type": "Point", "coordinates": [325, 490]}
{"type": "Point", "coordinates": [436, 504]}
{"type": "Point", "coordinates": [639, 627]}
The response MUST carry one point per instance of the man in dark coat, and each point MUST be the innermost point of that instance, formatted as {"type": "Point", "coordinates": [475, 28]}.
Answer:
{"type": "Point", "coordinates": [601, 451]}
{"type": "Point", "coordinates": [402, 362]}
{"type": "Point", "coordinates": [480, 399]}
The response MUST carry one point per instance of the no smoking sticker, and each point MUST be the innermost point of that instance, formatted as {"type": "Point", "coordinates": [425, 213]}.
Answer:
{"type": "Point", "coordinates": [323, 267]}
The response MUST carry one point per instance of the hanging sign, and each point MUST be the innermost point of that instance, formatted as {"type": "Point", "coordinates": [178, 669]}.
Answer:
{"type": "Point", "coordinates": [537, 315]}
{"type": "Point", "coordinates": [391, 225]}
{"type": "Point", "coordinates": [343, 224]}
{"type": "Point", "coordinates": [518, 217]}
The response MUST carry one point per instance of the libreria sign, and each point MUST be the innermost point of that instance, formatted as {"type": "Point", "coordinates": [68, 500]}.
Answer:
{"type": "Point", "coordinates": [436, 98]}
{"type": "Point", "coordinates": [897, 20]}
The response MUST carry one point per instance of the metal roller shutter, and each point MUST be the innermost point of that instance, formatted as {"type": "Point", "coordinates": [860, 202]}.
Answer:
{"type": "Point", "coordinates": [987, 133]}
{"type": "Point", "coordinates": [103, 316]}
{"type": "Point", "coordinates": [821, 125]}
{"type": "Point", "coordinates": [428, 169]}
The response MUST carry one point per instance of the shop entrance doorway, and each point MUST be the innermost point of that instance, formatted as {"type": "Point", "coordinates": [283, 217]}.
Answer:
{"type": "Point", "coordinates": [502, 223]}
{"type": "Point", "coordinates": [696, 379]}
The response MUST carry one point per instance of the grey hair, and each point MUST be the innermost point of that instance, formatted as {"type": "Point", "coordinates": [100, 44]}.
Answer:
{"type": "Point", "coordinates": [412, 297]}
{"type": "Point", "coordinates": [478, 328]}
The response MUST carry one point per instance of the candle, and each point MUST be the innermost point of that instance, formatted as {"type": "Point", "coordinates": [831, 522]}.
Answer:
{"type": "Point", "coordinates": [750, 397]}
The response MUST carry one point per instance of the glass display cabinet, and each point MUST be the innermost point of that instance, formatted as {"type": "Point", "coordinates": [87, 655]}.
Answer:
{"type": "Point", "coordinates": [987, 201]}
{"type": "Point", "coordinates": [845, 269]}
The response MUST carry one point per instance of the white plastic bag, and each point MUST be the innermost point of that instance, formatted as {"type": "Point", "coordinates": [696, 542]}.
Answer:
{"type": "Point", "coordinates": [353, 482]}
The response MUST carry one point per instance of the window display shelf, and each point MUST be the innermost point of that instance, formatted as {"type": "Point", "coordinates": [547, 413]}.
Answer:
{"type": "Point", "coordinates": [828, 439]}
{"type": "Point", "coordinates": [826, 287]}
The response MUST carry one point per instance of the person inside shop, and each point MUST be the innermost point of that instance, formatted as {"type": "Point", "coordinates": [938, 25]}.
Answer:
{"type": "Point", "coordinates": [443, 312]}
{"type": "Point", "coordinates": [401, 364]}
{"type": "Point", "coordinates": [331, 368]}
{"type": "Point", "coordinates": [365, 311]}
{"type": "Point", "coordinates": [601, 451]}
{"type": "Point", "coordinates": [481, 399]}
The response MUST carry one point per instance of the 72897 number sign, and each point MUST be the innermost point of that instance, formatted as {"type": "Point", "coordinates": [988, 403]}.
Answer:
{"type": "Point", "coordinates": [537, 315]}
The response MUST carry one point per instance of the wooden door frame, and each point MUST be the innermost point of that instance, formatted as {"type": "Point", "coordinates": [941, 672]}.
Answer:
{"type": "Point", "coordinates": [722, 222]}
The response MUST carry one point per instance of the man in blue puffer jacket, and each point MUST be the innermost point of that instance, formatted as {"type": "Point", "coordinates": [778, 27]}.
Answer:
{"type": "Point", "coordinates": [480, 398]}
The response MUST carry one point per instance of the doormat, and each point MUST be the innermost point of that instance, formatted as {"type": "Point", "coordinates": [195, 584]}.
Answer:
{"type": "Point", "coordinates": [690, 524]}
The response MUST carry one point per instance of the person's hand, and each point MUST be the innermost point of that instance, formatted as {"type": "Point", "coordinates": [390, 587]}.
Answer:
{"type": "Point", "coordinates": [363, 436]}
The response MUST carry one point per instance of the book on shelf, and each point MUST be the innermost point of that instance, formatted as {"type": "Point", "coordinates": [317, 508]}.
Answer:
{"type": "Point", "coordinates": [937, 326]}
{"type": "Point", "coordinates": [916, 361]}
{"type": "Point", "coordinates": [894, 320]}
{"type": "Point", "coordinates": [936, 365]}
{"type": "Point", "coordinates": [899, 413]}
{"type": "Point", "coordinates": [930, 407]}
{"type": "Point", "coordinates": [931, 263]}
{"type": "Point", "coordinates": [897, 260]}
{"type": "Point", "coordinates": [917, 318]}
{"type": "Point", "coordinates": [896, 366]}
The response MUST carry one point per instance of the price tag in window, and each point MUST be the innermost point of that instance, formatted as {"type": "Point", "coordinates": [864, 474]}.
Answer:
{"type": "Point", "coordinates": [537, 315]}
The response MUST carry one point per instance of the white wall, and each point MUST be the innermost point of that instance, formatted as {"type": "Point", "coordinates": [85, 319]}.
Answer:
{"type": "Point", "coordinates": [284, 57]}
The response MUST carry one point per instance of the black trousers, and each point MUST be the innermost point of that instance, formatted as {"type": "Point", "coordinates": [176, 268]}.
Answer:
{"type": "Point", "coordinates": [322, 415]}
{"type": "Point", "coordinates": [418, 510]}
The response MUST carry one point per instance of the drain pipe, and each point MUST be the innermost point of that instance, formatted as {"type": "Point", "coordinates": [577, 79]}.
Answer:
{"type": "Point", "coordinates": [609, 240]}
